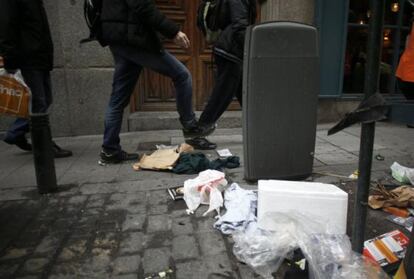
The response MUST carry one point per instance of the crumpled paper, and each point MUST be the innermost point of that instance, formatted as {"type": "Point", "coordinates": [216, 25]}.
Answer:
{"type": "Point", "coordinates": [402, 196]}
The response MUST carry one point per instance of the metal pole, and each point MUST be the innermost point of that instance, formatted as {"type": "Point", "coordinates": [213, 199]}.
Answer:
{"type": "Point", "coordinates": [368, 130]}
{"type": "Point", "coordinates": [43, 153]}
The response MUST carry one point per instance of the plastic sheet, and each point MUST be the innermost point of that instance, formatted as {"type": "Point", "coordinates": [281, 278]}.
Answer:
{"type": "Point", "coordinates": [402, 174]}
{"type": "Point", "coordinates": [205, 189]}
{"type": "Point", "coordinates": [329, 255]}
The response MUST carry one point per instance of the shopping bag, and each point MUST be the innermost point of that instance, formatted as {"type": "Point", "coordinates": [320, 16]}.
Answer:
{"type": "Point", "coordinates": [14, 95]}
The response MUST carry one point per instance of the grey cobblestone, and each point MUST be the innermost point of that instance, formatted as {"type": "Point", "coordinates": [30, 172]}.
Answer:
{"type": "Point", "coordinates": [184, 247]}
{"type": "Point", "coordinates": [205, 225]}
{"type": "Point", "coordinates": [156, 260]}
{"type": "Point", "coordinates": [126, 264]}
{"type": "Point", "coordinates": [96, 201]}
{"type": "Point", "coordinates": [211, 243]}
{"type": "Point", "coordinates": [158, 209]}
{"type": "Point", "coordinates": [182, 225]}
{"type": "Point", "coordinates": [158, 197]}
{"type": "Point", "coordinates": [133, 222]}
{"type": "Point", "coordinates": [77, 200]}
{"type": "Point", "coordinates": [158, 223]}
{"type": "Point", "coordinates": [157, 240]}
{"type": "Point", "coordinates": [132, 243]}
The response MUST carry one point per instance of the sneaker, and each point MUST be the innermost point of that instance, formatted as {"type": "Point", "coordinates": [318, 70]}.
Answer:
{"type": "Point", "coordinates": [20, 142]}
{"type": "Point", "coordinates": [59, 152]}
{"type": "Point", "coordinates": [201, 143]}
{"type": "Point", "coordinates": [116, 157]}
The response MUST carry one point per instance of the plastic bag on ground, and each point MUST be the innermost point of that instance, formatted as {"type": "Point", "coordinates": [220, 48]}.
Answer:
{"type": "Point", "coordinates": [240, 207]}
{"type": "Point", "coordinates": [402, 174]}
{"type": "Point", "coordinates": [205, 189]}
{"type": "Point", "coordinates": [329, 255]}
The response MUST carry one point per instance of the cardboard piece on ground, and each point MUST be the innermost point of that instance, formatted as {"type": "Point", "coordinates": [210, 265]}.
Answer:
{"type": "Point", "coordinates": [163, 159]}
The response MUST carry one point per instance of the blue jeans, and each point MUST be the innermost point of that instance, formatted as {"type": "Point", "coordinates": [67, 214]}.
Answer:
{"type": "Point", "coordinates": [39, 83]}
{"type": "Point", "coordinates": [129, 62]}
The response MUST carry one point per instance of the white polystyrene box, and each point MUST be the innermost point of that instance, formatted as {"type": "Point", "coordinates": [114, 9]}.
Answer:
{"type": "Point", "coordinates": [318, 199]}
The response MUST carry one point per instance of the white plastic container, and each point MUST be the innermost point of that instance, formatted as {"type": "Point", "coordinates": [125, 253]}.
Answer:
{"type": "Point", "coordinates": [318, 199]}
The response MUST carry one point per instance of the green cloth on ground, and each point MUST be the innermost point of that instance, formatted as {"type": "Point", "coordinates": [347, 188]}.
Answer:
{"type": "Point", "coordinates": [194, 163]}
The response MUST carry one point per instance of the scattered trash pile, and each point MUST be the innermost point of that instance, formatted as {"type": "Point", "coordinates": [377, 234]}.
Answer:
{"type": "Point", "coordinates": [183, 160]}
{"type": "Point", "coordinates": [264, 243]}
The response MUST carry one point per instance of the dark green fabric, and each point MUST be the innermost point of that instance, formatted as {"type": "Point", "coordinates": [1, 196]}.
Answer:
{"type": "Point", "coordinates": [194, 163]}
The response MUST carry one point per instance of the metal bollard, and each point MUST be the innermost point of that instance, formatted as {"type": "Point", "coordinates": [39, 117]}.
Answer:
{"type": "Point", "coordinates": [44, 160]}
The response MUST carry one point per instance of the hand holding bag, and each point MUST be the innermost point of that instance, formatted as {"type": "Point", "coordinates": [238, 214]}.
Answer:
{"type": "Point", "coordinates": [15, 96]}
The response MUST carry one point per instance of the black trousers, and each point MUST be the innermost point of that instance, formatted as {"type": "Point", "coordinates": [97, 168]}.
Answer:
{"type": "Point", "coordinates": [407, 88]}
{"type": "Point", "coordinates": [228, 84]}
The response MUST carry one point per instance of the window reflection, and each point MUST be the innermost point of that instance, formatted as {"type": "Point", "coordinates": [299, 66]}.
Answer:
{"type": "Point", "coordinates": [397, 20]}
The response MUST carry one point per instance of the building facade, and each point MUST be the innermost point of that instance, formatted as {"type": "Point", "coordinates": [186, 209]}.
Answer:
{"type": "Point", "coordinates": [82, 76]}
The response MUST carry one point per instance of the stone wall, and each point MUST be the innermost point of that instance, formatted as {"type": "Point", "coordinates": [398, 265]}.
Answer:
{"type": "Point", "coordinates": [82, 77]}
{"type": "Point", "coordinates": [290, 10]}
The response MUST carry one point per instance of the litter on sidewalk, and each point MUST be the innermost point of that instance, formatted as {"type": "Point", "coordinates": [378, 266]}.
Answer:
{"type": "Point", "coordinates": [224, 152]}
{"type": "Point", "coordinates": [402, 196]}
{"type": "Point", "coordinates": [182, 160]}
{"type": "Point", "coordinates": [206, 188]}
{"type": "Point", "coordinates": [285, 196]}
{"type": "Point", "coordinates": [194, 163]}
{"type": "Point", "coordinates": [162, 159]}
{"type": "Point", "coordinates": [402, 174]}
{"type": "Point", "coordinates": [241, 208]}
{"type": "Point", "coordinates": [176, 193]}
{"type": "Point", "coordinates": [387, 249]}
{"type": "Point", "coordinates": [407, 222]}
{"type": "Point", "coordinates": [328, 254]}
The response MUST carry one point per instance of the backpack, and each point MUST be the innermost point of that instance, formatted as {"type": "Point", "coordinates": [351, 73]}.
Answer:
{"type": "Point", "coordinates": [92, 12]}
{"type": "Point", "coordinates": [210, 15]}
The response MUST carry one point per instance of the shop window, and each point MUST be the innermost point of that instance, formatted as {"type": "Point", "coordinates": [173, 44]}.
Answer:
{"type": "Point", "coordinates": [397, 20]}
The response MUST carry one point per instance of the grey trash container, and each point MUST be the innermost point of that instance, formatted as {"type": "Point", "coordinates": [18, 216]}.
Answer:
{"type": "Point", "coordinates": [280, 97]}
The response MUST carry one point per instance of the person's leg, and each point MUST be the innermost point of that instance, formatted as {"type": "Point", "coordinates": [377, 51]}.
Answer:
{"type": "Point", "coordinates": [124, 80]}
{"type": "Point", "coordinates": [166, 64]}
{"type": "Point", "coordinates": [227, 85]}
{"type": "Point", "coordinates": [48, 100]}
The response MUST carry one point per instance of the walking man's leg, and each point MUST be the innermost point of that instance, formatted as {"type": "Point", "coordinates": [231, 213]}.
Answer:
{"type": "Point", "coordinates": [125, 77]}
{"type": "Point", "coordinates": [227, 86]}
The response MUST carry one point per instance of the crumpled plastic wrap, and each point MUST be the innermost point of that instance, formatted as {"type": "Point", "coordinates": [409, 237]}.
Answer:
{"type": "Point", "coordinates": [329, 256]}
{"type": "Point", "coordinates": [205, 189]}
{"type": "Point", "coordinates": [402, 174]}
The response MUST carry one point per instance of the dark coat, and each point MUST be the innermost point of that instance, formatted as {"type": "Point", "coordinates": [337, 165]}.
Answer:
{"type": "Point", "coordinates": [25, 40]}
{"type": "Point", "coordinates": [135, 23]}
{"type": "Point", "coordinates": [241, 14]}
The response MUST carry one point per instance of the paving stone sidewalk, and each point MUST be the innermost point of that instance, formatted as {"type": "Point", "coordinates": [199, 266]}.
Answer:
{"type": "Point", "coordinates": [113, 222]}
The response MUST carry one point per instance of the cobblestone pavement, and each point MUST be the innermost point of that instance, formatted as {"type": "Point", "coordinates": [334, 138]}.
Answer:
{"type": "Point", "coordinates": [113, 222]}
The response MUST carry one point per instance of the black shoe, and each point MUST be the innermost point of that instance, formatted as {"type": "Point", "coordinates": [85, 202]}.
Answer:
{"type": "Point", "coordinates": [116, 157]}
{"type": "Point", "coordinates": [191, 128]}
{"type": "Point", "coordinates": [207, 129]}
{"type": "Point", "coordinates": [410, 126]}
{"type": "Point", "coordinates": [201, 143]}
{"type": "Point", "coordinates": [20, 142]}
{"type": "Point", "coordinates": [59, 152]}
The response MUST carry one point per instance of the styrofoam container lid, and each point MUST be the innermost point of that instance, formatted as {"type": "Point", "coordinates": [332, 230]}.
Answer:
{"type": "Point", "coordinates": [301, 188]}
